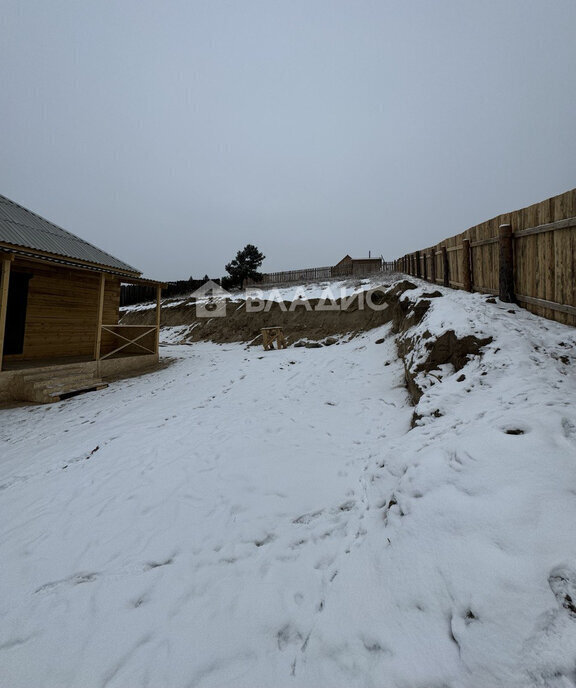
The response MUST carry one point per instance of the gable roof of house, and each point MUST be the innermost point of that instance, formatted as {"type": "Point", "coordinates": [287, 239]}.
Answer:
{"type": "Point", "coordinates": [347, 258]}
{"type": "Point", "coordinates": [23, 228]}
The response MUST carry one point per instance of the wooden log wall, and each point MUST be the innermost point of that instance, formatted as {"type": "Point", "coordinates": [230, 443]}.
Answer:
{"type": "Point", "coordinates": [62, 311]}
{"type": "Point", "coordinates": [543, 260]}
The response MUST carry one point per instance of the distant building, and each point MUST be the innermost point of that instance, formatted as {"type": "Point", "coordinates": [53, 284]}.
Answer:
{"type": "Point", "coordinates": [59, 311]}
{"type": "Point", "coordinates": [356, 266]}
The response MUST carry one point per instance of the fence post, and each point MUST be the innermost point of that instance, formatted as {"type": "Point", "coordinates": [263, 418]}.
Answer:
{"type": "Point", "coordinates": [425, 265]}
{"type": "Point", "coordinates": [418, 267]}
{"type": "Point", "coordinates": [446, 267]}
{"type": "Point", "coordinates": [433, 266]}
{"type": "Point", "coordinates": [506, 273]}
{"type": "Point", "coordinates": [466, 265]}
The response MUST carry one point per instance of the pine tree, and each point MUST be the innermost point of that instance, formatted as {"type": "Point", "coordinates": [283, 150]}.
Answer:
{"type": "Point", "coordinates": [245, 265]}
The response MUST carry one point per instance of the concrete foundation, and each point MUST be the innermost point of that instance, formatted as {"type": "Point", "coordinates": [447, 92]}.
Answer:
{"type": "Point", "coordinates": [17, 384]}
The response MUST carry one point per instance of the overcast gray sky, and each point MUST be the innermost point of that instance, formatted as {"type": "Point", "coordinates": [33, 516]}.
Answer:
{"type": "Point", "coordinates": [171, 133]}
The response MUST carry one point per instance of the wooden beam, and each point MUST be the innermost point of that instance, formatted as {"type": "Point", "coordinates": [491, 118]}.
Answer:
{"type": "Point", "coordinates": [158, 311]}
{"type": "Point", "coordinates": [549, 227]}
{"type": "Point", "coordinates": [506, 272]}
{"type": "Point", "coordinates": [445, 267]}
{"type": "Point", "coordinates": [466, 265]}
{"type": "Point", "coordinates": [486, 290]}
{"type": "Point", "coordinates": [4, 284]}
{"type": "Point", "coordinates": [543, 303]}
{"type": "Point", "coordinates": [271, 335]}
{"type": "Point", "coordinates": [100, 313]}
{"type": "Point", "coordinates": [484, 242]}
{"type": "Point", "coordinates": [433, 267]}
{"type": "Point", "coordinates": [142, 281]}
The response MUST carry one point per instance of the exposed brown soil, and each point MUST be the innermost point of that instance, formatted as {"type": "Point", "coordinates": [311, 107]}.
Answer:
{"type": "Point", "coordinates": [448, 348]}
{"type": "Point", "coordinates": [300, 320]}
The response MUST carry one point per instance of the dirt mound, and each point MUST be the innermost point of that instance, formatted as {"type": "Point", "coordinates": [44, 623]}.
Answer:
{"type": "Point", "coordinates": [312, 319]}
{"type": "Point", "coordinates": [448, 348]}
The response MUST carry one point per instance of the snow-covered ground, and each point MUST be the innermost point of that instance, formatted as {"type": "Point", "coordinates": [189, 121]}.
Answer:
{"type": "Point", "coordinates": [255, 520]}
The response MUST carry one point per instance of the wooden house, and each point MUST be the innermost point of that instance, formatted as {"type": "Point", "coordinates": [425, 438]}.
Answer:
{"type": "Point", "coordinates": [59, 311]}
{"type": "Point", "coordinates": [356, 266]}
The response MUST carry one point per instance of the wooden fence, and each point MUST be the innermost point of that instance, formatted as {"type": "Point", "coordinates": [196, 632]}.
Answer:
{"type": "Point", "coordinates": [305, 275]}
{"type": "Point", "coordinates": [137, 293]}
{"type": "Point", "coordinates": [316, 274]}
{"type": "Point", "coordinates": [527, 256]}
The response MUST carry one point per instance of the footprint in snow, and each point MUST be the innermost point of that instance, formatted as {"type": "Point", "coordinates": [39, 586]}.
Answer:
{"type": "Point", "coordinates": [307, 518]}
{"type": "Point", "coordinates": [347, 506]}
{"type": "Point", "coordinates": [288, 635]}
{"type": "Point", "coordinates": [149, 565]}
{"type": "Point", "coordinates": [76, 579]}
{"type": "Point", "coordinates": [568, 429]}
{"type": "Point", "coordinates": [265, 540]}
{"type": "Point", "coordinates": [562, 581]}
{"type": "Point", "coordinates": [298, 544]}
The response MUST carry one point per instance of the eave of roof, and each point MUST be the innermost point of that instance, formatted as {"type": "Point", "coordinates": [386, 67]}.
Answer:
{"type": "Point", "coordinates": [124, 277]}
{"type": "Point", "coordinates": [22, 229]}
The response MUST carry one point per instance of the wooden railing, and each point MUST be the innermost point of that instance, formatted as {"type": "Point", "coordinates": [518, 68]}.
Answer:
{"type": "Point", "coordinates": [131, 339]}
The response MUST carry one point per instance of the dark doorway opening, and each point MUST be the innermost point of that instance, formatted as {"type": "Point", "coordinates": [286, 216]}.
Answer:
{"type": "Point", "coordinates": [16, 313]}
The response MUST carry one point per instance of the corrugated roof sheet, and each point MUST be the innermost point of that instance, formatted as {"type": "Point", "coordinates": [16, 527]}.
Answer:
{"type": "Point", "coordinates": [21, 227]}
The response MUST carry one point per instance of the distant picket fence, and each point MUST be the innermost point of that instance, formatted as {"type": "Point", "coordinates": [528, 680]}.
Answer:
{"type": "Point", "coordinates": [527, 256]}
{"type": "Point", "coordinates": [135, 293]}
{"type": "Point", "coordinates": [316, 274]}
{"type": "Point", "coordinates": [305, 275]}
